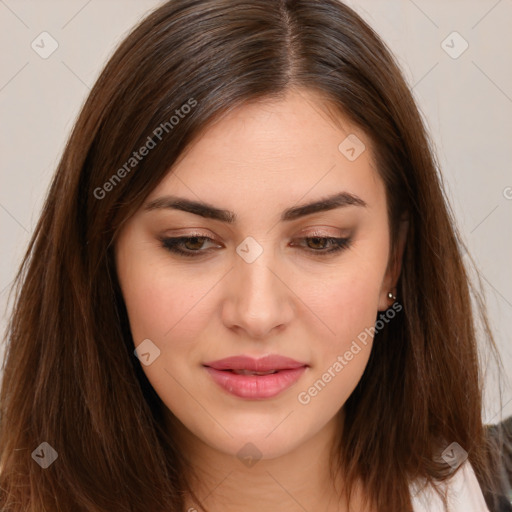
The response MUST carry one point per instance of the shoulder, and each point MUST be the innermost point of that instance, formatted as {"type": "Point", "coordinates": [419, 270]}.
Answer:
{"type": "Point", "coordinates": [463, 493]}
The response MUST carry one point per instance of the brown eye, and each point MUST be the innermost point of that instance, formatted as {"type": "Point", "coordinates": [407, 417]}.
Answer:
{"type": "Point", "coordinates": [186, 245]}
{"type": "Point", "coordinates": [194, 243]}
{"type": "Point", "coordinates": [318, 244]}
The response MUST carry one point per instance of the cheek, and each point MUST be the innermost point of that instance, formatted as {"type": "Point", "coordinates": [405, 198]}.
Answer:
{"type": "Point", "coordinates": [171, 309]}
{"type": "Point", "coordinates": [346, 302]}
{"type": "Point", "coordinates": [350, 315]}
{"type": "Point", "coordinates": [165, 305]}
{"type": "Point", "coordinates": [340, 357]}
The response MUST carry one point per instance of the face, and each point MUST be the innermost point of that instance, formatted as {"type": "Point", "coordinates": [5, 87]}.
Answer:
{"type": "Point", "coordinates": [302, 285]}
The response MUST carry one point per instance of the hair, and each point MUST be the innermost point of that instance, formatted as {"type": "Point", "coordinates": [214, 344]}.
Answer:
{"type": "Point", "coordinates": [71, 378]}
{"type": "Point", "coordinates": [501, 436]}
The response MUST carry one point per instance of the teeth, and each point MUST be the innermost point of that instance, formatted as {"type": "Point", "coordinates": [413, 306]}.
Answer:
{"type": "Point", "coordinates": [249, 372]}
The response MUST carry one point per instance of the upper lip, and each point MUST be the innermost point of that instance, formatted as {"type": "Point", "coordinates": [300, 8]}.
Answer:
{"type": "Point", "coordinates": [263, 364]}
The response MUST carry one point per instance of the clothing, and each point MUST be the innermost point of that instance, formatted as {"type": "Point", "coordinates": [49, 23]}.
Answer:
{"type": "Point", "coordinates": [464, 494]}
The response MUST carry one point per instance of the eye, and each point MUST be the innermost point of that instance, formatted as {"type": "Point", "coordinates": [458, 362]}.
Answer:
{"type": "Point", "coordinates": [320, 243]}
{"type": "Point", "coordinates": [193, 246]}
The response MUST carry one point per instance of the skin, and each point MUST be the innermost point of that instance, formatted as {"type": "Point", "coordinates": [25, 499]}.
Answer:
{"type": "Point", "coordinates": [257, 161]}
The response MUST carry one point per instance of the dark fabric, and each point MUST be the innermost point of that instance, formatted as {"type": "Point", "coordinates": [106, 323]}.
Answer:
{"type": "Point", "coordinates": [501, 437]}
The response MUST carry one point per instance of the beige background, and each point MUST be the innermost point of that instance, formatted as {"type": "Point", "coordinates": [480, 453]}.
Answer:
{"type": "Point", "coordinates": [466, 101]}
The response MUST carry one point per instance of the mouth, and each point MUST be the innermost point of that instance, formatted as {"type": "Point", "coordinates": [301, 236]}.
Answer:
{"type": "Point", "coordinates": [256, 379]}
{"type": "Point", "coordinates": [250, 372]}
{"type": "Point", "coordinates": [263, 365]}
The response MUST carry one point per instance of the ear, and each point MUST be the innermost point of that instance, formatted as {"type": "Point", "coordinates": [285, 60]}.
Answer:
{"type": "Point", "coordinates": [394, 267]}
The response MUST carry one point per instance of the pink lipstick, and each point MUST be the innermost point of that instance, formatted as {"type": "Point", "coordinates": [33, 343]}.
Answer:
{"type": "Point", "coordinates": [255, 379]}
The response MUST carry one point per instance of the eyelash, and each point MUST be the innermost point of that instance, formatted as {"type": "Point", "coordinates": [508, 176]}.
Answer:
{"type": "Point", "coordinates": [172, 245]}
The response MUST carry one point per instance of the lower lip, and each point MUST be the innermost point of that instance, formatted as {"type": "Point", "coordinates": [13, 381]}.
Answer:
{"type": "Point", "coordinates": [256, 386]}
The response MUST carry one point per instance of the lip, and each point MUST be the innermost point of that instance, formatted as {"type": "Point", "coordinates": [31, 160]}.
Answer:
{"type": "Point", "coordinates": [262, 364]}
{"type": "Point", "coordinates": [255, 387]}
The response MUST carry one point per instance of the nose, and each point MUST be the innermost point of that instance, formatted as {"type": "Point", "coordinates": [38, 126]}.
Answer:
{"type": "Point", "coordinates": [258, 297]}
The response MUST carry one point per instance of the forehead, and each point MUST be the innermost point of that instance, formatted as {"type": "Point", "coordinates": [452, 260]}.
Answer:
{"type": "Point", "coordinates": [276, 151]}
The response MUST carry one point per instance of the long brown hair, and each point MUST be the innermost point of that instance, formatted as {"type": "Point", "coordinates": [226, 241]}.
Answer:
{"type": "Point", "coordinates": [70, 376]}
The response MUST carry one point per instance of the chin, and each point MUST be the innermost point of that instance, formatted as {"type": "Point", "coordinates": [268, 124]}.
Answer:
{"type": "Point", "coordinates": [259, 440]}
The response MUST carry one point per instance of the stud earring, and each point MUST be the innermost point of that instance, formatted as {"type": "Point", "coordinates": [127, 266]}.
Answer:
{"type": "Point", "coordinates": [391, 296]}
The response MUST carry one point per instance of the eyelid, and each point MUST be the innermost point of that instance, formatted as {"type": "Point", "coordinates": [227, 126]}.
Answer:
{"type": "Point", "coordinates": [305, 233]}
{"type": "Point", "coordinates": [320, 232]}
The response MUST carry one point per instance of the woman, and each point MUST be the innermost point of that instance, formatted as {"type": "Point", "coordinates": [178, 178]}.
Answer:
{"type": "Point", "coordinates": [245, 290]}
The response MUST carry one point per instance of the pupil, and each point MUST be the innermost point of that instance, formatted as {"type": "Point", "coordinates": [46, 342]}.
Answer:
{"type": "Point", "coordinates": [195, 240]}
{"type": "Point", "coordinates": [317, 240]}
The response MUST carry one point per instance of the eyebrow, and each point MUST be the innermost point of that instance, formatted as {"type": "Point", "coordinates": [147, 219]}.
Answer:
{"type": "Point", "coordinates": [206, 210]}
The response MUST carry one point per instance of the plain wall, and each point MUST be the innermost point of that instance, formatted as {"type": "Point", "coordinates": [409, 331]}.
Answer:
{"type": "Point", "coordinates": [465, 99]}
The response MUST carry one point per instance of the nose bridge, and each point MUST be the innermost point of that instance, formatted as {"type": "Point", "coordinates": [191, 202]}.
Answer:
{"type": "Point", "coordinates": [259, 296]}
{"type": "Point", "coordinates": [257, 275]}
{"type": "Point", "coordinates": [256, 281]}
